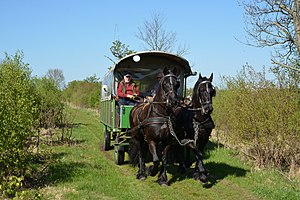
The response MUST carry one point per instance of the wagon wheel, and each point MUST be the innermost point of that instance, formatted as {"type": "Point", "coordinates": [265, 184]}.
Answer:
{"type": "Point", "coordinates": [119, 155]}
{"type": "Point", "coordinates": [106, 140]}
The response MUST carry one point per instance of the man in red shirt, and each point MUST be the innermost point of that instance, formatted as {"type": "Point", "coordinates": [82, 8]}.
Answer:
{"type": "Point", "coordinates": [127, 90]}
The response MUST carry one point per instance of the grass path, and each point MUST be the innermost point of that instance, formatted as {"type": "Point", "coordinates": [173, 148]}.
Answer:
{"type": "Point", "coordinates": [83, 171]}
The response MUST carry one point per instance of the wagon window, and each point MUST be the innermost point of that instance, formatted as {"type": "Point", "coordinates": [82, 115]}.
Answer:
{"type": "Point", "coordinates": [146, 78]}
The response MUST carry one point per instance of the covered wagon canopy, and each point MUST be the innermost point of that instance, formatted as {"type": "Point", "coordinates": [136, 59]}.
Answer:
{"type": "Point", "coordinates": [144, 67]}
{"type": "Point", "coordinates": [149, 61]}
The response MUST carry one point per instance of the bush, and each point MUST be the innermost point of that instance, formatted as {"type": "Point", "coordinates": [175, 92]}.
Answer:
{"type": "Point", "coordinates": [52, 107]}
{"type": "Point", "coordinates": [260, 118]}
{"type": "Point", "coordinates": [19, 108]}
{"type": "Point", "coordinates": [83, 94]}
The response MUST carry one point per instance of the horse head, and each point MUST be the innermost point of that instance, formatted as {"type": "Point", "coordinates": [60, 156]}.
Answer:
{"type": "Point", "coordinates": [203, 93]}
{"type": "Point", "coordinates": [169, 85]}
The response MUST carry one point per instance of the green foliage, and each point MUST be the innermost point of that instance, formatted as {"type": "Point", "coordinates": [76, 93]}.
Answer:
{"type": "Point", "coordinates": [51, 107]}
{"type": "Point", "coordinates": [120, 50]}
{"type": "Point", "coordinates": [11, 186]}
{"type": "Point", "coordinates": [19, 106]}
{"type": "Point", "coordinates": [260, 118]}
{"type": "Point", "coordinates": [85, 94]}
{"type": "Point", "coordinates": [92, 79]}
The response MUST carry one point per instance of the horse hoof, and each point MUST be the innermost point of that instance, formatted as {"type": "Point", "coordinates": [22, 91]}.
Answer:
{"type": "Point", "coordinates": [200, 177]}
{"type": "Point", "coordinates": [206, 184]}
{"type": "Point", "coordinates": [163, 183]}
{"type": "Point", "coordinates": [203, 179]}
{"type": "Point", "coordinates": [140, 177]}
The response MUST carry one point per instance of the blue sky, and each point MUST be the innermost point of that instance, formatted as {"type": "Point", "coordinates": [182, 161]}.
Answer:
{"type": "Point", "coordinates": [75, 36]}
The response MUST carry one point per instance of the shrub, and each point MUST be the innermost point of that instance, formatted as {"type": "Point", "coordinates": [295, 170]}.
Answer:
{"type": "Point", "coordinates": [260, 118]}
{"type": "Point", "coordinates": [83, 94]}
{"type": "Point", "coordinates": [52, 107]}
{"type": "Point", "coordinates": [19, 106]}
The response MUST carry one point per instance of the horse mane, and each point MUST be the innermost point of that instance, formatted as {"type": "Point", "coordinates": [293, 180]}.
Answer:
{"type": "Point", "coordinates": [195, 94]}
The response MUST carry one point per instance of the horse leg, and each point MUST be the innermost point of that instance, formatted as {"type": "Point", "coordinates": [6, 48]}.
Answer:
{"type": "Point", "coordinates": [200, 172]}
{"type": "Point", "coordinates": [142, 168]}
{"type": "Point", "coordinates": [163, 179]}
{"type": "Point", "coordinates": [203, 140]}
{"type": "Point", "coordinates": [181, 158]}
{"type": "Point", "coordinates": [153, 170]}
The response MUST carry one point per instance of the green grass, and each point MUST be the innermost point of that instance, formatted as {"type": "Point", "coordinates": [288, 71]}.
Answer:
{"type": "Point", "coordinates": [83, 171]}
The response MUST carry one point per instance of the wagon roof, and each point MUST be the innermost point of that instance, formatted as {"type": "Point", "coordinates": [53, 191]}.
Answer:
{"type": "Point", "coordinates": [152, 59]}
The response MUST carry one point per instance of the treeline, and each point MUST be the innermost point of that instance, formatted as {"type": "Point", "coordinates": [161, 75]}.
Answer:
{"type": "Point", "coordinates": [84, 94]}
{"type": "Point", "coordinates": [260, 118]}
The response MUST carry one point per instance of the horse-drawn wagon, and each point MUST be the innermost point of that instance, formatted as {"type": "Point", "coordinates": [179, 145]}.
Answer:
{"type": "Point", "coordinates": [144, 66]}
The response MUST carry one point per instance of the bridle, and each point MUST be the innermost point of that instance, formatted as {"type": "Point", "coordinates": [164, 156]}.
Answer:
{"type": "Point", "coordinates": [161, 118]}
{"type": "Point", "coordinates": [207, 119]}
{"type": "Point", "coordinates": [208, 100]}
{"type": "Point", "coordinates": [166, 94]}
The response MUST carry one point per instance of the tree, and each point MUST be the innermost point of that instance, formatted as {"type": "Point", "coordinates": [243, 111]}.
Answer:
{"type": "Point", "coordinates": [274, 23]}
{"type": "Point", "coordinates": [92, 79]}
{"type": "Point", "coordinates": [119, 50]}
{"type": "Point", "coordinates": [85, 94]}
{"type": "Point", "coordinates": [57, 76]}
{"type": "Point", "coordinates": [156, 37]}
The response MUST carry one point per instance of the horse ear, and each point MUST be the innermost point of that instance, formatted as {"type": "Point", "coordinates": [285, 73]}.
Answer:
{"type": "Point", "coordinates": [211, 77]}
{"type": "Point", "coordinates": [200, 76]}
{"type": "Point", "coordinates": [175, 71]}
{"type": "Point", "coordinates": [166, 70]}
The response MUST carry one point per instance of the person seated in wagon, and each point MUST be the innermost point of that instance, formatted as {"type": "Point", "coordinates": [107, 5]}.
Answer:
{"type": "Point", "coordinates": [149, 97]}
{"type": "Point", "coordinates": [127, 91]}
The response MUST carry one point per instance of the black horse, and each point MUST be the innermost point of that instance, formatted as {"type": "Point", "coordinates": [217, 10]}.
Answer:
{"type": "Point", "coordinates": [152, 125]}
{"type": "Point", "coordinates": [194, 125]}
